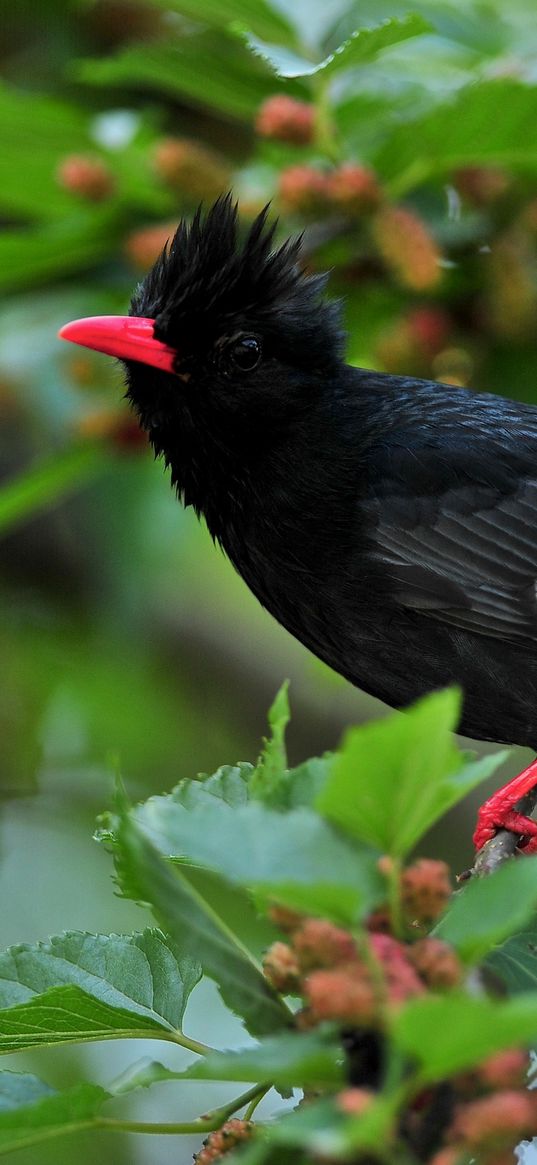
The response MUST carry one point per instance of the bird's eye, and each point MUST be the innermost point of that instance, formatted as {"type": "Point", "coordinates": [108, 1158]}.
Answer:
{"type": "Point", "coordinates": [246, 353]}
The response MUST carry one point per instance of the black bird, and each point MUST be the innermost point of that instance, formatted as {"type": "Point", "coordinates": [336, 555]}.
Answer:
{"type": "Point", "coordinates": [389, 523]}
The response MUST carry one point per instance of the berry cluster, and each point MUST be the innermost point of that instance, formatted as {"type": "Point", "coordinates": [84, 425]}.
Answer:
{"type": "Point", "coordinates": [353, 984]}
{"type": "Point", "coordinates": [218, 1144]}
{"type": "Point", "coordinates": [357, 983]}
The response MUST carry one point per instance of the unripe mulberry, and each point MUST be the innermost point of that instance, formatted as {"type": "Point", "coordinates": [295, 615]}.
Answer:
{"type": "Point", "coordinates": [495, 1121]}
{"type": "Point", "coordinates": [281, 968]}
{"type": "Point", "coordinates": [354, 1101]}
{"type": "Point", "coordinates": [143, 247]}
{"type": "Point", "coordinates": [344, 995]}
{"type": "Point", "coordinates": [223, 1140]}
{"type": "Point", "coordinates": [401, 980]}
{"type": "Point", "coordinates": [191, 168]}
{"type": "Point", "coordinates": [86, 176]}
{"type": "Point", "coordinates": [436, 963]}
{"type": "Point", "coordinates": [426, 890]}
{"type": "Point", "coordinates": [407, 247]}
{"type": "Point", "coordinates": [303, 189]}
{"type": "Point", "coordinates": [286, 119]}
{"type": "Point", "coordinates": [507, 1069]}
{"type": "Point", "coordinates": [319, 943]}
{"type": "Point", "coordinates": [354, 189]}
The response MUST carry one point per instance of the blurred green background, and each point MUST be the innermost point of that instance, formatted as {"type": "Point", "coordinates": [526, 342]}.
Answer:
{"type": "Point", "coordinates": [412, 169]}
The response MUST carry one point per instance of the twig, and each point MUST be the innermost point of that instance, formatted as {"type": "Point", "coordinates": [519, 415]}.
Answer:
{"type": "Point", "coordinates": [503, 845]}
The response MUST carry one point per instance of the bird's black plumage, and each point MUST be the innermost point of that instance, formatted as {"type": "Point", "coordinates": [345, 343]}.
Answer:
{"type": "Point", "coordinates": [389, 523]}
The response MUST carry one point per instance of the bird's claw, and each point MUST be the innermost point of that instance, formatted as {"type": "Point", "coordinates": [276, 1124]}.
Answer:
{"type": "Point", "coordinates": [492, 817]}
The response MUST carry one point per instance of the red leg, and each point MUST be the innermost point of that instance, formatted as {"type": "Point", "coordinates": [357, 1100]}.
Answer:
{"type": "Point", "coordinates": [499, 812]}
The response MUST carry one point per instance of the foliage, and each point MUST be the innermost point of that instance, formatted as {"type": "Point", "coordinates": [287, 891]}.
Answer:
{"type": "Point", "coordinates": [400, 138]}
{"type": "Point", "coordinates": [429, 1021]}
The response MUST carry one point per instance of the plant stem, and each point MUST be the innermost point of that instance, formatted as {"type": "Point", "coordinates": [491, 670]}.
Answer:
{"type": "Point", "coordinates": [394, 899]}
{"type": "Point", "coordinates": [255, 1101]}
{"type": "Point", "coordinates": [202, 1124]}
{"type": "Point", "coordinates": [191, 1045]}
{"type": "Point", "coordinates": [325, 132]}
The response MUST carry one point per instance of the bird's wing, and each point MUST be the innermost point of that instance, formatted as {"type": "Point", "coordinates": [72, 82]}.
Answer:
{"type": "Point", "coordinates": [467, 557]}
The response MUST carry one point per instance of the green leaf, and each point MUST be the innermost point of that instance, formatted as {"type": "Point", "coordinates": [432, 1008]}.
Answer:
{"type": "Point", "coordinates": [31, 1112]}
{"type": "Point", "coordinates": [194, 924]}
{"type": "Point", "coordinates": [306, 1060]}
{"type": "Point", "coordinates": [447, 1034]}
{"type": "Point", "coordinates": [489, 123]}
{"type": "Point", "coordinates": [515, 962]}
{"type": "Point", "coordinates": [208, 69]}
{"type": "Point", "coordinates": [37, 132]}
{"type": "Point", "coordinates": [362, 47]}
{"type": "Point", "coordinates": [264, 18]}
{"type": "Point", "coordinates": [82, 986]}
{"type": "Point", "coordinates": [322, 1128]}
{"type": "Point", "coordinates": [76, 243]}
{"type": "Point", "coordinates": [393, 778]}
{"type": "Point", "coordinates": [291, 1059]}
{"type": "Point", "coordinates": [489, 909]}
{"type": "Point", "coordinates": [46, 482]}
{"type": "Point", "coordinates": [262, 849]}
{"type": "Point", "coordinates": [271, 768]}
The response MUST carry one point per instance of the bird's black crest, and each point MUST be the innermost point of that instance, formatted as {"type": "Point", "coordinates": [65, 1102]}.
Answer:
{"type": "Point", "coordinates": [206, 280]}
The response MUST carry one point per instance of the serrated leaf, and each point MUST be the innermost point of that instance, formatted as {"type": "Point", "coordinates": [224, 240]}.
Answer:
{"type": "Point", "coordinates": [264, 18]}
{"type": "Point", "coordinates": [487, 123]}
{"type": "Point", "coordinates": [66, 1014]}
{"type": "Point", "coordinates": [31, 1112]}
{"type": "Point", "coordinates": [447, 1034]}
{"type": "Point", "coordinates": [192, 922]}
{"type": "Point", "coordinates": [291, 1059]}
{"type": "Point", "coordinates": [262, 849]}
{"type": "Point", "coordinates": [393, 778]}
{"type": "Point", "coordinates": [360, 48]}
{"type": "Point", "coordinates": [489, 909]}
{"type": "Point", "coordinates": [212, 70]}
{"type": "Point", "coordinates": [515, 961]}
{"type": "Point", "coordinates": [271, 768]}
{"type": "Point", "coordinates": [310, 1060]}
{"type": "Point", "coordinates": [230, 783]}
{"type": "Point", "coordinates": [81, 986]}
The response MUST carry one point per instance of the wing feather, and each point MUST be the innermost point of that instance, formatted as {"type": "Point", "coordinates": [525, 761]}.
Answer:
{"type": "Point", "coordinates": [473, 566]}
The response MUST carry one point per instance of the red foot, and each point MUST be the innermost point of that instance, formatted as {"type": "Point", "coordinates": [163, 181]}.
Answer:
{"type": "Point", "coordinates": [499, 812]}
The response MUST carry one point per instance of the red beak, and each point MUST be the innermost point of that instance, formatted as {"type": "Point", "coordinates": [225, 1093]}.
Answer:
{"type": "Point", "coordinates": [128, 337]}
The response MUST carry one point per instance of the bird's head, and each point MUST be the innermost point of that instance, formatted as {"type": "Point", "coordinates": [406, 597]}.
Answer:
{"type": "Point", "coordinates": [225, 342]}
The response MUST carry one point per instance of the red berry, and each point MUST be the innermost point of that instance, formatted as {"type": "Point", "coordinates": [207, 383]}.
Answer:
{"type": "Point", "coordinates": [426, 890]}
{"type": "Point", "coordinates": [223, 1140]}
{"type": "Point", "coordinates": [286, 119]}
{"type": "Point", "coordinates": [407, 247]}
{"type": "Point", "coordinates": [303, 189]}
{"type": "Point", "coordinates": [281, 968]}
{"type": "Point", "coordinates": [354, 189]}
{"type": "Point", "coordinates": [319, 943]}
{"type": "Point", "coordinates": [86, 176]}
{"type": "Point", "coordinates": [143, 247]}
{"type": "Point", "coordinates": [495, 1121]}
{"type": "Point", "coordinates": [436, 963]}
{"type": "Point", "coordinates": [191, 168]}
{"type": "Point", "coordinates": [354, 1101]}
{"type": "Point", "coordinates": [344, 995]}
